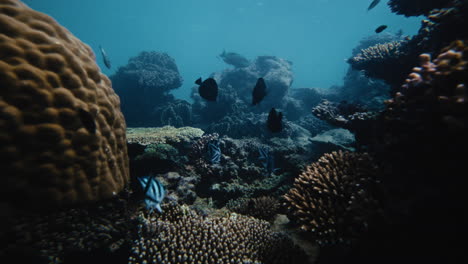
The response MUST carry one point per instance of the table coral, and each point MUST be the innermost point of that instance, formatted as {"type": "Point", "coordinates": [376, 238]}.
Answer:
{"type": "Point", "coordinates": [162, 135]}
{"type": "Point", "coordinates": [62, 135]}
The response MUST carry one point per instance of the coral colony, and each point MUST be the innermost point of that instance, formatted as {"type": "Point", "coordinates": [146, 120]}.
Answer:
{"type": "Point", "coordinates": [252, 170]}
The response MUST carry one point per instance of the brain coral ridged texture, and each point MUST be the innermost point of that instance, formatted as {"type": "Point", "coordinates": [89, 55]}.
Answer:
{"type": "Point", "coordinates": [62, 134]}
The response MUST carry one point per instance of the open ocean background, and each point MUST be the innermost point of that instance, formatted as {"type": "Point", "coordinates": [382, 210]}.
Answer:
{"type": "Point", "coordinates": [316, 35]}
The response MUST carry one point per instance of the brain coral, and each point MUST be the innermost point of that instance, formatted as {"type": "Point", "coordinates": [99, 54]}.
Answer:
{"type": "Point", "coordinates": [62, 135]}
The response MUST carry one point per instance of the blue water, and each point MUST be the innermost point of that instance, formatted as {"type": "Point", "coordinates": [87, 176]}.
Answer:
{"type": "Point", "coordinates": [316, 35]}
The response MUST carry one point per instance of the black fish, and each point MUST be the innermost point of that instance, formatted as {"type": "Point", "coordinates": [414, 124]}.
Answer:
{"type": "Point", "coordinates": [259, 91]}
{"type": "Point", "coordinates": [275, 121]}
{"type": "Point", "coordinates": [234, 59]}
{"type": "Point", "coordinates": [105, 58]}
{"type": "Point", "coordinates": [88, 120]}
{"type": "Point", "coordinates": [208, 89]}
{"type": "Point", "coordinates": [373, 4]}
{"type": "Point", "coordinates": [380, 28]}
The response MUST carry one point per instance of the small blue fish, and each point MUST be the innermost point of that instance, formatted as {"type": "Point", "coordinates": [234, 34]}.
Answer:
{"type": "Point", "coordinates": [105, 58]}
{"type": "Point", "coordinates": [214, 152]}
{"type": "Point", "coordinates": [154, 192]}
{"type": "Point", "coordinates": [267, 159]}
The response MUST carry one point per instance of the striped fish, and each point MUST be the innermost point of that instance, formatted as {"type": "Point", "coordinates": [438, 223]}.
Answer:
{"type": "Point", "coordinates": [154, 192]}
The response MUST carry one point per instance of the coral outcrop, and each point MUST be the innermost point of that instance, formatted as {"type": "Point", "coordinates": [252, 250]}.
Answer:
{"type": "Point", "coordinates": [62, 135]}
{"type": "Point", "coordinates": [182, 236]}
{"type": "Point", "coordinates": [336, 197]}
{"type": "Point", "coordinates": [389, 61]}
{"type": "Point", "coordinates": [144, 83]}
{"type": "Point", "coordinates": [263, 207]}
{"type": "Point", "coordinates": [160, 135]}
{"type": "Point", "coordinates": [55, 237]}
{"type": "Point", "coordinates": [416, 7]}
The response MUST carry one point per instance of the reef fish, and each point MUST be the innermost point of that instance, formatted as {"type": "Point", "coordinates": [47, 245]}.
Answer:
{"type": "Point", "coordinates": [105, 58]}
{"type": "Point", "coordinates": [153, 191]}
{"type": "Point", "coordinates": [267, 159]}
{"type": "Point", "coordinates": [275, 121]}
{"type": "Point", "coordinates": [234, 59]}
{"type": "Point", "coordinates": [214, 152]}
{"type": "Point", "coordinates": [259, 91]}
{"type": "Point", "coordinates": [373, 4]}
{"type": "Point", "coordinates": [208, 89]}
{"type": "Point", "coordinates": [380, 28]}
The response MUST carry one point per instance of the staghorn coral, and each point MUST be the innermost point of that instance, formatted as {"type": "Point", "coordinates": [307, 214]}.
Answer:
{"type": "Point", "coordinates": [416, 7]}
{"type": "Point", "coordinates": [62, 135]}
{"type": "Point", "coordinates": [335, 197]}
{"type": "Point", "coordinates": [162, 135]}
{"type": "Point", "coordinates": [182, 236]}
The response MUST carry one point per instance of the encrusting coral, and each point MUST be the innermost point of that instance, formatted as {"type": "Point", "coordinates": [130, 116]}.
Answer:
{"type": "Point", "coordinates": [335, 197]}
{"type": "Point", "coordinates": [182, 236]}
{"type": "Point", "coordinates": [62, 134]}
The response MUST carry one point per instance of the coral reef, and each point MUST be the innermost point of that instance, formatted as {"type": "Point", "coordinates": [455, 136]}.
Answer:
{"type": "Point", "coordinates": [416, 7]}
{"type": "Point", "coordinates": [180, 188]}
{"type": "Point", "coordinates": [62, 133]}
{"type": "Point", "coordinates": [349, 116]}
{"type": "Point", "coordinates": [177, 113]}
{"type": "Point", "coordinates": [235, 92]}
{"type": "Point", "coordinates": [162, 135]}
{"type": "Point", "coordinates": [335, 198]}
{"type": "Point", "coordinates": [144, 83]}
{"type": "Point", "coordinates": [264, 207]}
{"type": "Point", "coordinates": [182, 236]}
{"type": "Point", "coordinates": [101, 227]}
{"type": "Point", "coordinates": [436, 89]}
{"type": "Point", "coordinates": [240, 172]}
{"type": "Point", "coordinates": [389, 61]}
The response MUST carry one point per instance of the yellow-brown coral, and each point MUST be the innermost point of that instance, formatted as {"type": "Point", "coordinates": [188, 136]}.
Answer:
{"type": "Point", "coordinates": [335, 197]}
{"type": "Point", "coordinates": [62, 135]}
{"type": "Point", "coordinates": [182, 236]}
{"type": "Point", "coordinates": [436, 90]}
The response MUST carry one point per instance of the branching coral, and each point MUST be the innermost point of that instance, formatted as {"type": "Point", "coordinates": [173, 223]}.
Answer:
{"type": "Point", "coordinates": [437, 89]}
{"type": "Point", "coordinates": [345, 115]}
{"type": "Point", "coordinates": [385, 61]}
{"type": "Point", "coordinates": [182, 236]}
{"type": "Point", "coordinates": [416, 7]}
{"type": "Point", "coordinates": [62, 135]}
{"type": "Point", "coordinates": [264, 207]}
{"type": "Point", "coordinates": [335, 197]}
